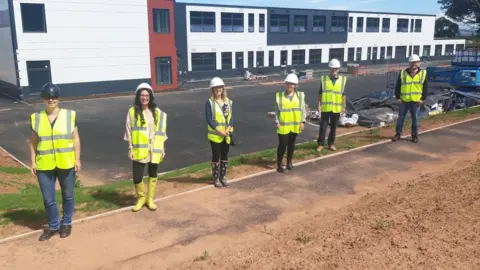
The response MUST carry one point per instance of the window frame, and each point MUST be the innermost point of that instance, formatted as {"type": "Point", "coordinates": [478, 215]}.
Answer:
{"type": "Point", "coordinates": [203, 15]}
{"type": "Point", "coordinates": [385, 29]}
{"type": "Point", "coordinates": [319, 23]}
{"type": "Point", "coordinates": [227, 55]}
{"type": "Point", "coordinates": [402, 28]}
{"type": "Point", "coordinates": [373, 25]}
{"type": "Point", "coordinates": [157, 12]}
{"type": "Point", "coordinates": [251, 22]}
{"type": "Point", "coordinates": [300, 19]}
{"type": "Point", "coordinates": [314, 54]}
{"type": "Point", "coordinates": [214, 58]}
{"type": "Point", "coordinates": [157, 66]}
{"type": "Point", "coordinates": [43, 16]}
{"type": "Point", "coordinates": [261, 23]}
{"type": "Point", "coordinates": [296, 61]}
{"type": "Point", "coordinates": [337, 19]}
{"type": "Point", "coordinates": [283, 23]}
{"type": "Point", "coordinates": [236, 20]}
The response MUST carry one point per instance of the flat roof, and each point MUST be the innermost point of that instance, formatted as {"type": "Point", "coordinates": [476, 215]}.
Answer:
{"type": "Point", "coordinates": [334, 10]}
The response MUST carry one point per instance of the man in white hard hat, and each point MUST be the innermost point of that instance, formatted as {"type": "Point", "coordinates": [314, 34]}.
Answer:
{"type": "Point", "coordinates": [290, 115]}
{"type": "Point", "coordinates": [331, 102]}
{"type": "Point", "coordinates": [410, 91]}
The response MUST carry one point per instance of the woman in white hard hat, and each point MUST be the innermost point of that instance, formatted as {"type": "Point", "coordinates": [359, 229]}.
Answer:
{"type": "Point", "coordinates": [145, 132]}
{"type": "Point", "coordinates": [218, 113]}
{"type": "Point", "coordinates": [290, 115]}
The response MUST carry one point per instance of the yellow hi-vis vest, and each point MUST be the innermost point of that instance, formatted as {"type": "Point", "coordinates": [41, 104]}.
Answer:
{"type": "Point", "coordinates": [332, 95]}
{"type": "Point", "coordinates": [411, 88]}
{"type": "Point", "coordinates": [54, 146]}
{"type": "Point", "coordinates": [219, 119]}
{"type": "Point", "coordinates": [141, 139]}
{"type": "Point", "coordinates": [290, 112]}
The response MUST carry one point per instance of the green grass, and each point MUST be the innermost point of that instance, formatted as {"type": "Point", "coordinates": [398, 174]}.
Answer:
{"type": "Point", "coordinates": [26, 206]}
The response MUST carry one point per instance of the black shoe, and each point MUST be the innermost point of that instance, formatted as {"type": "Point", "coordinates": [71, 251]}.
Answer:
{"type": "Point", "coordinates": [47, 234]}
{"type": "Point", "coordinates": [280, 168]}
{"type": "Point", "coordinates": [415, 139]}
{"type": "Point", "coordinates": [396, 137]}
{"type": "Point", "coordinates": [65, 231]}
{"type": "Point", "coordinates": [289, 166]}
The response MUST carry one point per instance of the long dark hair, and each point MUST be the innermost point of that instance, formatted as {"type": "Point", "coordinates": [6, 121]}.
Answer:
{"type": "Point", "coordinates": [152, 106]}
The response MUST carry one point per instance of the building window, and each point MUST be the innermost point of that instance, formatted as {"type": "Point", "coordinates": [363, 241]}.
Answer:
{"type": "Point", "coordinates": [226, 60]}
{"type": "Point", "coordinates": [204, 61]}
{"type": "Point", "coordinates": [373, 25]}
{"type": "Point", "coordinates": [402, 25]}
{"type": "Point", "coordinates": [279, 23]}
{"type": "Point", "coordinates": [337, 53]}
{"type": "Point", "coordinates": [271, 58]}
{"type": "Point", "coordinates": [400, 52]}
{"type": "Point", "coordinates": [350, 24]}
{"type": "Point", "coordinates": [251, 22]}
{"type": "Point", "coordinates": [161, 21]}
{"type": "Point", "coordinates": [411, 24]}
{"type": "Point", "coordinates": [250, 59]}
{"type": "Point", "coordinates": [386, 25]}
{"type": "Point", "coordinates": [389, 52]}
{"type": "Point", "coordinates": [232, 22]}
{"type": "Point", "coordinates": [283, 57]}
{"type": "Point", "coordinates": [351, 55]}
{"type": "Point", "coordinates": [339, 24]}
{"type": "Point", "coordinates": [261, 23]}
{"type": "Point", "coordinates": [260, 59]}
{"type": "Point", "coordinates": [418, 25]}
{"type": "Point", "coordinates": [438, 50]}
{"type": "Point", "coordinates": [202, 21]}
{"type": "Point", "coordinates": [319, 23]}
{"type": "Point", "coordinates": [359, 54]}
{"type": "Point", "coordinates": [359, 24]}
{"type": "Point", "coordinates": [298, 57]}
{"type": "Point", "coordinates": [163, 68]}
{"type": "Point", "coordinates": [315, 56]}
{"type": "Point", "coordinates": [300, 23]}
{"type": "Point", "coordinates": [449, 49]}
{"type": "Point", "coordinates": [33, 18]}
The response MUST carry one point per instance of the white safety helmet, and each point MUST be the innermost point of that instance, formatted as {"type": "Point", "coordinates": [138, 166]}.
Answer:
{"type": "Point", "coordinates": [334, 63]}
{"type": "Point", "coordinates": [144, 86]}
{"type": "Point", "coordinates": [216, 82]}
{"type": "Point", "coordinates": [414, 58]}
{"type": "Point", "coordinates": [291, 78]}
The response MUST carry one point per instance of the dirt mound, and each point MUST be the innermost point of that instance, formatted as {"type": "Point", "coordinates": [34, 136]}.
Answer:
{"type": "Point", "coordinates": [429, 222]}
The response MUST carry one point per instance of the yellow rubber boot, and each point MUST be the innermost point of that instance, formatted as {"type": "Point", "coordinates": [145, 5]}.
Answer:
{"type": "Point", "coordinates": [152, 183]}
{"type": "Point", "coordinates": [140, 191]}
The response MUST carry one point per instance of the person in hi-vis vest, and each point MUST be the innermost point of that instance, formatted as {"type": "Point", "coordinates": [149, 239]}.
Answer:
{"type": "Point", "coordinates": [290, 117]}
{"type": "Point", "coordinates": [218, 113]}
{"type": "Point", "coordinates": [411, 90]}
{"type": "Point", "coordinates": [55, 153]}
{"type": "Point", "coordinates": [331, 102]}
{"type": "Point", "coordinates": [146, 133]}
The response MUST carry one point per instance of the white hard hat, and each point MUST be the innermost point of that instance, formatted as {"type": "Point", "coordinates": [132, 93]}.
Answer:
{"type": "Point", "coordinates": [291, 78]}
{"type": "Point", "coordinates": [144, 86]}
{"type": "Point", "coordinates": [414, 58]}
{"type": "Point", "coordinates": [216, 82]}
{"type": "Point", "coordinates": [334, 63]}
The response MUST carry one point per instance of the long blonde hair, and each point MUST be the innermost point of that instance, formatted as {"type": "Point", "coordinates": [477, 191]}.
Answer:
{"type": "Point", "coordinates": [223, 95]}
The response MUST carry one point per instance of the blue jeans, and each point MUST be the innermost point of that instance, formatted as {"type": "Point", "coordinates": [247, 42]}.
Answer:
{"type": "Point", "coordinates": [47, 180]}
{"type": "Point", "coordinates": [404, 108]}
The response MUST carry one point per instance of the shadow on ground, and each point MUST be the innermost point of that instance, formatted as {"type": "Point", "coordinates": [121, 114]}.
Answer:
{"type": "Point", "coordinates": [33, 219]}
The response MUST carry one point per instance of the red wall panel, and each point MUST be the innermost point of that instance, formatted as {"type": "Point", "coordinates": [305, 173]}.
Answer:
{"type": "Point", "coordinates": [162, 44]}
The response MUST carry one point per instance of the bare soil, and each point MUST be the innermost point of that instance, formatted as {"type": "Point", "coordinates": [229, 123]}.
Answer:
{"type": "Point", "coordinates": [427, 220]}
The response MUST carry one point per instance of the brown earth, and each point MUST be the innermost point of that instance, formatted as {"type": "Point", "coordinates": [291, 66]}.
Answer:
{"type": "Point", "coordinates": [413, 220]}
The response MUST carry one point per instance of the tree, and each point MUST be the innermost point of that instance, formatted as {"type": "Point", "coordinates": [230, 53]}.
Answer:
{"type": "Point", "coordinates": [445, 28]}
{"type": "Point", "coordinates": [465, 11]}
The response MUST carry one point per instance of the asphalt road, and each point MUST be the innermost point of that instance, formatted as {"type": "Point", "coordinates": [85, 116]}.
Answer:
{"type": "Point", "coordinates": [102, 123]}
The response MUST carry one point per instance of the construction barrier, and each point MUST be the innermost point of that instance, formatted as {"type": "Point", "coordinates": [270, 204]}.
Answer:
{"type": "Point", "coordinates": [360, 70]}
{"type": "Point", "coordinates": [393, 67]}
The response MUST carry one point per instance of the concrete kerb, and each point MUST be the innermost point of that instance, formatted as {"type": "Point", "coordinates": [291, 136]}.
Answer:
{"type": "Point", "coordinates": [124, 209]}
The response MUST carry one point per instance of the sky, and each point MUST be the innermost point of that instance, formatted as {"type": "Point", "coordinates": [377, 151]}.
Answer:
{"type": "Point", "coordinates": [403, 6]}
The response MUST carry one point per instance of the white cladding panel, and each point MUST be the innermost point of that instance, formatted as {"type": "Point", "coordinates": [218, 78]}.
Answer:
{"type": "Point", "coordinates": [99, 40]}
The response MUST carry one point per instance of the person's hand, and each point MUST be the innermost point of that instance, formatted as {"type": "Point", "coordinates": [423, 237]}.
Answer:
{"type": "Point", "coordinates": [34, 169]}
{"type": "Point", "coordinates": [420, 102]}
{"type": "Point", "coordinates": [399, 101]}
{"type": "Point", "coordinates": [78, 166]}
{"type": "Point", "coordinates": [222, 133]}
{"type": "Point", "coordinates": [343, 109]}
{"type": "Point", "coordinates": [278, 125]}
{"type": "Point", "coordinates": [163, 154]}
{"type": "Point", "coordinates": [302, 126]}
{"type": "Point", "coordinates": [130, 154]}
{"type": "Point", "coordinates": [228, 129]}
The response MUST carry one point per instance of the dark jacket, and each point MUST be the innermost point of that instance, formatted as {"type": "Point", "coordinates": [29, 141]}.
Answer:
{"type": "Point", "coordinates": [399, 84]}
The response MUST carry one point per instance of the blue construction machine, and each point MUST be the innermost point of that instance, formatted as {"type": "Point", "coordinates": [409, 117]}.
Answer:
{"type": "Point", "coordinates": [464, 73]}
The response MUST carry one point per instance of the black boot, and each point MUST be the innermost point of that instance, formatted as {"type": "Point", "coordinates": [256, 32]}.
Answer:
{"type": "Point", "coordinates": [415, 138]}
{"type": "Point", "coordinates": [65, 231]}
{"type": "Point", "coordinates": [47, 234]}
{"type": "Point", "coordinates": [216, 175]}
{"type": "Point", "coordinates": [280, 168]}
{"type": "Point", "coordinates": [223, 173]}
{"type": "Point", "coordinates": [289, 161]}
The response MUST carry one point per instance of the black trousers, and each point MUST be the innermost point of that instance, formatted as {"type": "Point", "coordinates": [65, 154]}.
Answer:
{"type": "Point", "coordinates": [286, 141]}
{"type": "Point", "coordinates": [139, 168]}
{"type": "Point", "coordinates": [219, 151]}
{"type": "Point", "coordinates": [328, 119]}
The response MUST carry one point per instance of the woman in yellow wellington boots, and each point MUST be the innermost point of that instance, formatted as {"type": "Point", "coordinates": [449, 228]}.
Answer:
{"type": "Point", "coordinates": [145, 132]}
